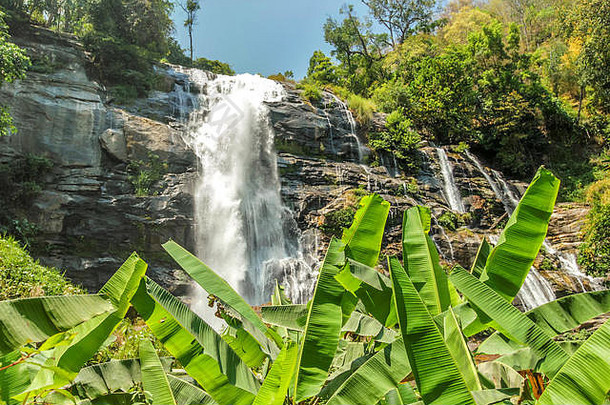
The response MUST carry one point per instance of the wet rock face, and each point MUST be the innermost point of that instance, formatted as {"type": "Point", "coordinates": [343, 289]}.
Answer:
{"type": "Point", "coordinates": [90, 218]}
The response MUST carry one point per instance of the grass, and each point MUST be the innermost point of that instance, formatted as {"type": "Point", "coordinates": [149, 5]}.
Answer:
{"type": "Point", "coordinates": [363, 108]}
{"type": "Point", "coordinates": [21, 276]}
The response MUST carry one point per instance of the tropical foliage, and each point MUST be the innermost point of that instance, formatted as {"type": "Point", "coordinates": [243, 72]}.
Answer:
{"type": "Point", "coordinates": [363, 338]}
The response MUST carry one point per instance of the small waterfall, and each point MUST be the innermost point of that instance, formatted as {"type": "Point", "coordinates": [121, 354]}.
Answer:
{"type": "Point", "coordinates": [243, 231]}
{"type": "Point", "coordinates": [352, 126]}
{"type": "Point", "coordinates": [444, 236]}
{"type": "Point", "coordinates": [569, 265]}
{"type": "Point", "coordinates": [452, 192]}
{"type": "Point", "coordinates": [330, 130]}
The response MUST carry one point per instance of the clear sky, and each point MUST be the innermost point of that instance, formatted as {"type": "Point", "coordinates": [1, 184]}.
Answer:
{"type": "Point", "coordinates": [261, 36]}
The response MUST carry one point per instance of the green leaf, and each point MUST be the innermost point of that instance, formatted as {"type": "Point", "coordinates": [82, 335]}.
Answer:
{"type": "Point", "coordinates": [188, 394]}
{"type": "Point", "coordinates": [369, 380]}
{"type": "Point", "coordinates": [33, 320]}
{"type": "Point", "coordinates": [65, 362]}
{"type": "Point", "coordinates": [217, 286]}
{"type": "Point", "coordinates": [481, 259]}
{"type": "Point", "coordinates": [510, 261]}
{"type": "Point", "coordinates": [422, 262]}
{"type": "Point", "coordinates": [276, 384]}
{"type": "Point", "coordinates": [585, 377]}
{"type": "Point", "coordinates": [323, 327]}
{"type": "Point", "coordinates": [363, 238]}
{"type": "Point", "coordinates": [205, 356]}
{"type": "Point", "coordinates": [509, 320]}
{"type": "Point", "coordinates": [13, 379]}
{"type": "Point", "coordinates": [459, 350]}
{"type": "Point", "coordinates": [245, 346]}
{"type": "Point", "coordinates": [372, 288]}
{"type": "Point", "coordinates": [438, 379]}
{"type": "Point", "coordinates": [401, 395]}
{"type": "Point", "coordinates": [154, 379]}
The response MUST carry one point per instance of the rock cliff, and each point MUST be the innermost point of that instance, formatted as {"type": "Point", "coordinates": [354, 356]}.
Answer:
{"type": "Point", "coordinates": [91, 212]}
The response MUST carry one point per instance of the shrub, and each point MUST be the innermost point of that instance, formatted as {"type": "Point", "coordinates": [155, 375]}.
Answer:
{"type": "Point", "coordinates": [310, 92]}
{"type": "Point", "coordinates": [594, 255]}
{"type": "Point", "coordinates": [144, 174]}
{"type": "Point", "coordinates": [399, 140]}
{"type": "Point", "coordinates": [21, 276]}
{"type": "Point", "coordinates": [362, 107]}
{"type": "Point", "coordinates": [336, 221]}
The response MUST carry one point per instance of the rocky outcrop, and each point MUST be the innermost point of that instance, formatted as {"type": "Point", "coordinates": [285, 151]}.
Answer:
{"type": "Point", "coordinates": [88, 217]}
{"type": "Point", "coordinates": [93, 210]}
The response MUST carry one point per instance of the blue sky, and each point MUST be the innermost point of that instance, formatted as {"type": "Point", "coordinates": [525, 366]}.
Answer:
{"type": "Point", "coordinates": [261, 36]}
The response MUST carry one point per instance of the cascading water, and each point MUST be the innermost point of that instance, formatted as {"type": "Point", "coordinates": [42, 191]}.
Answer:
{"type": "Point", "coordinates": [242, 228]}
{"type": "Point", "coordinates": [352, 125]}
{"type": "Point", "coordinates": [452, 192]}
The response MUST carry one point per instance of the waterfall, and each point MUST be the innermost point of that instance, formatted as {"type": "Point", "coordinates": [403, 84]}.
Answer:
{"type": "Point", "coordinates": [352, 125]}
{"type": "Point", "coordinates": [243, 231]}
{"type": "Point", "coordinates": [452, 192]}
{"type": "Point", "coordinates": [444, 236]}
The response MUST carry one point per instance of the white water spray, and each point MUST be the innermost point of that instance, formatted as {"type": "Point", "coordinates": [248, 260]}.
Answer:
{"type": "Point", "coordinates": [240, 219]}
{"type": "Point", "coordinates": [452, 192]}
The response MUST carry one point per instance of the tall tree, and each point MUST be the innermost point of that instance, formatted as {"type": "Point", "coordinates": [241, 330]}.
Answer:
{"type": "Point", "coordinates": [190, 8]}
{"type": "Point", "coordinates": [402, 17]}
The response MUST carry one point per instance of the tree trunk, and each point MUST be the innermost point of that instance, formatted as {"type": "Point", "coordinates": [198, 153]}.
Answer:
{"type": "Point", "coordinates": [191, 41]}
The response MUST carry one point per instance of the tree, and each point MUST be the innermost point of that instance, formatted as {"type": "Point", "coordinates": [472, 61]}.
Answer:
{"type": "Point", "coordinates": [190, 8]}
{"type": "Point", "coordinates": [13, 65]}
{"type": "Point", "coordinates": [402, 17]}
{"type": "Point", "coordinates": [321, 68]}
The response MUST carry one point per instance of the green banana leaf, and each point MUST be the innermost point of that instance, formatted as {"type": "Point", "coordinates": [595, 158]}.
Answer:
{"type": "Point", "coordinates": [458, 348]}
{"type": "Point", "coordinates": [422, 262]}
{"type": "Point", "coordinates": [510, 261]}
{"type": "Point", "coordinates": [438, 379]}
{"type": "Point", "coordinates": [500, 375]}
{"type": "Point", "coordinates": [205, 356]}
{"type": "Point", "coordinates": [154, 379]}
{"type": "Point", "coordinates": [363, 238]}
{"type": "Point", "coordinates": [217, 286]}
{"type": "Point", "coordinates": [401, 395]}
{"type": "Point", "coordinates": [371, 378]}
{"type": "Point", "coordinates": [294, 317]}
{"type": "Point", "coordinates": [481, 258]}
{"type": "Point", "coordinates": [13, 379]}
{"type": "Point", "coordinates": [554, 318]}
{"type": "Point", "coordinates": [585, 377]}
{"type": "Point", "coordinates": [509, 320]}
{"type": "Point", "coordinates": [65, 361]}
{"type": "Point", "coordinates": [276, 384]}
{"type": "Point", "coordinates": [33, 320]}
{"type": "Point", "coordinates": [188, 394]}
{"type": "Point", "coordinates": [372, 288]}
{"type": "Point", "coordinates": [323, 327]}
{"type": "Point", "coordinates": [245, 346]}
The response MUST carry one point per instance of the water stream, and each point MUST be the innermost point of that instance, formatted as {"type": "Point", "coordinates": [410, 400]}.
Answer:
{"type": "Point", "coordinates": [450, 188]}
{"type": "Point", "coordinates": [243, 231]}
{"type": "Point", "coordinates": [352, 126]}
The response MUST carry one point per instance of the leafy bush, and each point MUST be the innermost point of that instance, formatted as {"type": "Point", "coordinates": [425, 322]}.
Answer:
{"type": "Point", "coordinates": [400, 140]}
{"type": "Point", "coordinates": [144, 174]}
{"type": "Point", "coordinates": [362, 107]}
{"type": "Point", "coordinates": [594, 255]}
{"type": "Point", "coordinates": [336, 221]}
{"type": "Point", "coordinates": [214, 66]}
{"type": "Point", "coordinates": [21, 276]}
{"type": "Point", "coordinates": [310, 92]}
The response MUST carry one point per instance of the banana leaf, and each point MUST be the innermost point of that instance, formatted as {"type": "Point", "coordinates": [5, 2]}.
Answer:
{"type": "Point", "coordinates": [422, 262]}
{"type": "Point", "coordinates": [188, 394]}
{"type": "Point", "coordinates": [461, 353]}
{"type": "Point", "coordinates": [401, 395]}
{"type": "Point", "coordinates": [481, 258]}
{"type": "Point", "coordinates": [154, 379]}
{"type": "Point", "coordinates": [245, 346]}
{"type": "Point", "coordinates": [205, 356]}
{"type": "Point", "coordinates": [64, 363]}
{"type": "Point", "coordinates": [370, 379]}
{"type": "Point", "coordinates": [33, 320]}
{"type": "Point", "coordinates": [509, 320]}
{"type": "Point", "coordinates": [217, 286]}
{"type": "Point", "coordinates": [363, 238]}
{"type": "Point", "coordinates": [323, 327]}
{"type": "Point", "coordinates": [437, 376]}
{"type": "Point", "coordinates": [276, 384]}
{"type": "Point", "coordinates": [585, 377]}
{"type": "Point", "coordinates": [14, 377]}
{"type": "Point", "coordinates": [294, 317]}
{"type": "Point", "coordinates": [500, 375]}
{"type": "Point", "coordinates": [510, 261]}
{"type": "Point", "coordinates": [372, 288]}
